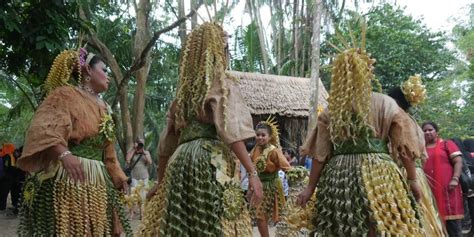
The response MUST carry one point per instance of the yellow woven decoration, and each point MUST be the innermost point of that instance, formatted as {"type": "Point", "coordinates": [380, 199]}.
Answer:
{"type": "Point", "coordinates": [203, 63]}
{"type": "Point", "coordinates": [61, 71]}
{"type": "Point", "coordinates": [272, 124]}
{"type": "Point", "coordinates": [350, 95]}
{"type": "Point", "coordinates": [414, 90]}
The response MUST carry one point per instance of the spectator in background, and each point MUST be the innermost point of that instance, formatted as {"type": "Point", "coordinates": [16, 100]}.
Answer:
{"type": "Point", "coordinates": [12, 180]}
{"type": "Point", "coordinates": [469, 145]}
{"type": "Point", "coordinates": [290, 156]}
{"type": "Point", "coordinates": [284, 182]}
{"type": "Point", "coordinates": [139, 159]}
{"type": "Point", "coordinates": [306, 161]}
{"type": "Point", "coordinates": [1, 164]}
{"type": "Point", "coordinates": [443, 170]}
{"type": "Point", "coordinates": [467, 188]}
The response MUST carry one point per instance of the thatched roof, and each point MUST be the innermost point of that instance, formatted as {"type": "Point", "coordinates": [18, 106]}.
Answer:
{"type": "Point", "coordinates": [282, 95]}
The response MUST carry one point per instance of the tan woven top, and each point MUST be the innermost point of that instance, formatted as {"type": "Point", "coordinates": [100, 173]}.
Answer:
{"type": "Point", "coordinates": [67, 115]}
{"type": "Point", "coordinates": [389, 122]}
{"type": "Point", "coordinates": [237, 127]}
{"type": "Point", "coordinates": [275, 161]}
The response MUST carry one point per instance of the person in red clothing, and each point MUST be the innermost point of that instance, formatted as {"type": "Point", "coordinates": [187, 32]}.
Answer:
{"type": "Point", "coordinates": [443, 169]}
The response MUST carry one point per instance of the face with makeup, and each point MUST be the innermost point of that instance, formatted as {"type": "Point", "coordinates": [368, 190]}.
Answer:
{"type": "Point", "coordinates": [95, 75]}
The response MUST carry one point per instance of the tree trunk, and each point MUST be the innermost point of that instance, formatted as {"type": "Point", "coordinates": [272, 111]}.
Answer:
{"type": "Point", "coordinates": [295, 37]}
{"type": "Point", "coordinates": [273, 22]}
{"type": "Point", "coordinates": [194, 17]}
{"type": "Point", "coordinates": [305, 34]}
{"type": "Point", "coordinates": [126, 120]}
{"type": "Point", "coordinates": [315, 59]}
{"type": "Point", "coordinates": [281, 36]}
{"type": "Point", "coordinates": [142, 37]}
{"type": "Point", "coordinates": [182, 26]}
{"type": "Point", "coordinates": [254, 11]}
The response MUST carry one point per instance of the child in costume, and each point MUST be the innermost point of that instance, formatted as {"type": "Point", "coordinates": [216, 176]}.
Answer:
{"type": "Point", "coordinates": [411, 93]}
{"type": "Point", "coordinates": [75, 177]}
{"type": "Point", "coordinates": [197, 194]}
{"type": "Point", "coordinates": [361, 191]}
{"type": "Point", "coordinates": [269, 159]}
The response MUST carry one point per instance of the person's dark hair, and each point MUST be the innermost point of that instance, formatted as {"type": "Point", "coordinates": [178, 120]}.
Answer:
{"type": "Point", "coordinates": [397, 94]}
{"type": "Point", "coordinates": [249, 145]}
{"type": "Point", "coordinates": [469, 144]}
{"type": "Point", "coordinates": [290, 152]}
{"type": "Point", "coordinates": [264, 126]}
{"type": "Point", "coordinates": [18, 151]}
{"type": "Point", "coordinates": [96, 59]}
{"type": "Point", "coordinates": [435, 126]}
{"type": "Point", "coordinates": [465, 152]}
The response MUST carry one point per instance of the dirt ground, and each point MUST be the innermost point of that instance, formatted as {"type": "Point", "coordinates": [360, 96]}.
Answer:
{"type": "Point", "coordinates": [8, 227]}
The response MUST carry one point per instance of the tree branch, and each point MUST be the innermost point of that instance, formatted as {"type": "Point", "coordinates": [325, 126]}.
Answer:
{"type": "Point", "coordinates": [140, 61]}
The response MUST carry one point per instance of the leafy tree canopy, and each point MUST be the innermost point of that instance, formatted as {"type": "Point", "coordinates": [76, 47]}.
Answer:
{"type": "Point", "coordinates": [402, 46]}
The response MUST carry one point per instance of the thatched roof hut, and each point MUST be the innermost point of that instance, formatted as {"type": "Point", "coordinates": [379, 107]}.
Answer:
{"type": "Point", "coordinates": [286, 98]}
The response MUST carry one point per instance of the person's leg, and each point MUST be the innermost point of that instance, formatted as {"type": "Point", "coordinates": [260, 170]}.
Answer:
{"type": "Point", "coordinates": [5, 185]}
{"type": "Point", "coordinates": [454, 228]}
{"type": "Point", "coordinates": [16, 190]}
{"type": "Point", "coordinates": [263, 227]}
{"type": "Point", "coordinates": [466, 221]}
{"type": "Point", "coordinates": [470, 204]}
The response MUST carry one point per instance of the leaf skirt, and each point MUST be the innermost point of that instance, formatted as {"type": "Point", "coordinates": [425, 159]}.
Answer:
{"type": "Point", "coordinates": [361, 191]}
{"type": "Point", "coordinates": [190, 201]}
{"type": "Point", "coordinates": [53, 205]}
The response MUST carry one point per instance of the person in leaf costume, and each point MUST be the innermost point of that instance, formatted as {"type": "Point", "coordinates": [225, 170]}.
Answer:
{"type": "Point", "coordinates": [197, 193]}
{"type": "Point", "coordinates": [269, 159]}
{"type": "Point", "coordinates": [360, 189]}
{"type": "Point", "coordinates": [75, 177]}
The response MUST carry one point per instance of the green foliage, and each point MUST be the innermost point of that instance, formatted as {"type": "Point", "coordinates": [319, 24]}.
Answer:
{"type": "Point", "coordinates": [249, 57]}
{"type": "Point", "coordinates": [463, 35]}
{"type": "Point", "coordinates": [33, 33]}
{"type": "Point", "coordinates": [15, 110]}
{"type": "Point", "coordinates": [450, 104]}
{"type": "Point", "coordinates": [451, 100]}
{"type": "Point", "coordinates": [402, 46]}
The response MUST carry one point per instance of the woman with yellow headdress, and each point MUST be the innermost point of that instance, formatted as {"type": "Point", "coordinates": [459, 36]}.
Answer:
{"type": "Point", "coordinates": [361, 191]}
{"type": "Point", "coordinates": [411, 93]}
{"type": "Point", "coordinates": [269, 159]}
{"type": "Point", "coordinates": [69, 151]}
{"type": "Point", "coordinates": [197, 194]}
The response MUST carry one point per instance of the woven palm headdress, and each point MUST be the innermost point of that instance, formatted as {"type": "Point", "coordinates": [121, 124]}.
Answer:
{"type": "Point", "coordinates": [351, 89]}
{"type": "Point", "coordinates": [414, 90]}
{"type": "Point", "coordinates": [203, 62]}
{"type": "Point", "coordinates": [67, 65]}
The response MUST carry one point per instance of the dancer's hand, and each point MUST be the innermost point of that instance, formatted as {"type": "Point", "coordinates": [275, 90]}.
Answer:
{"type": "Point", "coordinates": [416, 190]}
{"type": "Point", "coordinates": [452, 184]}
{"type": "Point", "coordinates": [125, 188]}
{"type": "Point", "coordinates": [304, 196]}
{"type": "Point", "coordinates": [73, 166]}
{"type": "Point", "coordinates": [152, 192]}
{"type": "Point", "coordinates": [256, 191]}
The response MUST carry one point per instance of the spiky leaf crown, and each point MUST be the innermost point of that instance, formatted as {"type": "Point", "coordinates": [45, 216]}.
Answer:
{"type": "Point", "coordinates": [272, 124]}
{"type": "Point", "coordinates": [414, 90]}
